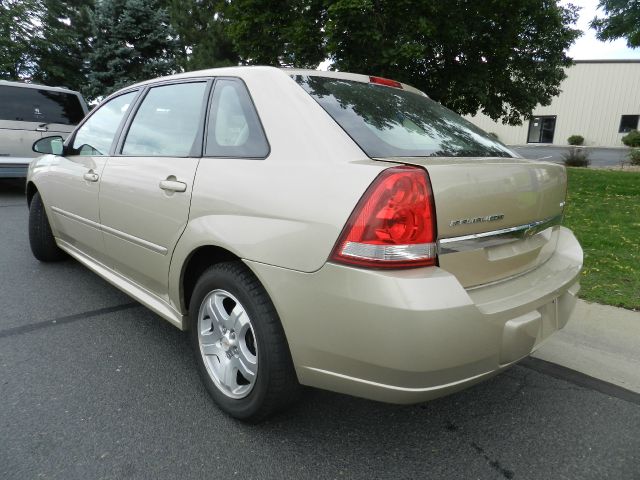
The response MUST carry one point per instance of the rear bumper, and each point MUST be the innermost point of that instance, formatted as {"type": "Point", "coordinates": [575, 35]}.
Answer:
{"type": "Point", "coordinates": [413, 335]}
{"type": "Point", "coordinates": [14, 167]}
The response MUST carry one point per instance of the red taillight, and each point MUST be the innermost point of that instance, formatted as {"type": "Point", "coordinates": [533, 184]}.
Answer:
{"type": "Point", "coordinates": [393, 225]}
{"type": "Point", "coordinates": [385, 81]}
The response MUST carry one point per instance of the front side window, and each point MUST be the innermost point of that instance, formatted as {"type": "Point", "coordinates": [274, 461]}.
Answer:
{"type": "Point", "coordinates": [628, 123]}
{"type": "Point", "coordinates": [234, 126]}
{"type": "Point", "coordinates": [96, 135]}
{"type": "Point", "coordinates": [167, 122]}
{"type": "Point", "coordinates": [24, 104]}
{"type": "Point", "coordinates": [391, 122]}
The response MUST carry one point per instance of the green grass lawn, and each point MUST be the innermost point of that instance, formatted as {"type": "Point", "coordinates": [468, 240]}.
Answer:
{"type": "Point", "coordinates": [603, 210]}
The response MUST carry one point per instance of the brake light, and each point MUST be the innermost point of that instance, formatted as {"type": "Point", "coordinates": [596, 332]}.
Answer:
{"type": "Point", "coordinates": [393, 225]}
{"type": "Point", "coordinates": [385, 81]}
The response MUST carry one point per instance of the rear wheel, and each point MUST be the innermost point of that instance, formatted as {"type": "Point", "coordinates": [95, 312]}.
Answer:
{"type": "Point", "coordinates": [239, 344]}
{"type": "Point", "coordinates": [43, 244]}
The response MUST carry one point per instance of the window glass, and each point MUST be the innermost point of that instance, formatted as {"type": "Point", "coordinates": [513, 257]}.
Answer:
{"type": "Point", "coordinates": [234, 126]}
{"type": "Point", "coordinates": [166, 124]}
{"type": "Point", "coordinates": [96, 135]}
{"type": "Point", "coordinates": [390, 122]}
{"type": "Point", "coordinates": [24, 104]}
{"type": "Point", "coordinates": [628, 123]}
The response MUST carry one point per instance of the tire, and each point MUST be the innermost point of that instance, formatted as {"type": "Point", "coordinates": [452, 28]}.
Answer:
{"type": "Point", "coordinates": [233, 323]}
{"type": "Point", "coordinates": [43, 244]}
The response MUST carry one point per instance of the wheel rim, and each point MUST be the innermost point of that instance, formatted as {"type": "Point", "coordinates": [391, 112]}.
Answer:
{"type": "Point", "coordinates": [227, 344]}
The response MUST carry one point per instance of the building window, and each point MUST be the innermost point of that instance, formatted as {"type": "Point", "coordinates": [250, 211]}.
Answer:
{"type": "Point", "coordinates": [628, 123]}
{"type": "Point", "coordinates": [541, 129]}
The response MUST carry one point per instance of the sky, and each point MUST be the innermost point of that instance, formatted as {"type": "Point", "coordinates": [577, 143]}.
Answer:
{"type": "Point", "coordinates": [588, 47]}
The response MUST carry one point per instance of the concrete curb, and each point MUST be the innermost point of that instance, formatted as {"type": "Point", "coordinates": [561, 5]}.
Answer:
{"type": "Point", "coordinates": [599, 341]}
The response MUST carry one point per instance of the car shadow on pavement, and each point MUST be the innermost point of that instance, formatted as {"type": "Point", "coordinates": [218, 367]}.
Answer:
{"type": "Point", "coordinates": [12, 185]}
{"type": "Point", "coordinates": [493, 427]}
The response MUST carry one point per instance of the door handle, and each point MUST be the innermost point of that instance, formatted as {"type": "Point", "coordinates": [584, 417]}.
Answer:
{"type": "Point", "coordinates": [91, 176]}
{"type": "Point", "coordinates": [173, 186]}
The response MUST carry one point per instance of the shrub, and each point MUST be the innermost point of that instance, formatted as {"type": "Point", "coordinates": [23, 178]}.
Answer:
{"type": "Point", "coordinates": [634, 156]}
{"type": "Point", "coordinates": [632, 139]}
{"type": "Point", "coordinates": [576, 157]}
{"type": "Point", "coordinates": [575, 140]}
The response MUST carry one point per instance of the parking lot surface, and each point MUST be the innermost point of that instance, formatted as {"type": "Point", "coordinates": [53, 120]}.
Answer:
{"type": "Point", "coordinates": [93, 385]}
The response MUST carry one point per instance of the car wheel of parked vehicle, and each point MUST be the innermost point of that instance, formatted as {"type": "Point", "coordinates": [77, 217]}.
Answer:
{"type": "Point", "coordinates": [239, 343]}
{"type": "Point", "coordinates": [41, 240]}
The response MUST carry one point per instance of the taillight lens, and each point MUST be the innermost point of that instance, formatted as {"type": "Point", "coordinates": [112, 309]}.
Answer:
{"type": "Point", "coordinates": [393, 225]}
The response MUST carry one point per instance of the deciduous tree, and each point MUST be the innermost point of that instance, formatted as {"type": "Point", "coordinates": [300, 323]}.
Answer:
{"type": "Point", "coordinates": [18, 26]}
{"type": "Point", "coordinates": [63, 44]}
{"type": "Point", "coordinates": [501, 58]}
{"type": "Point", "coordinates": [202, 29]}
{"type": "Point", "coordinates": [286, 32]}
{"type": "Point", "coordinates": [621, 20]}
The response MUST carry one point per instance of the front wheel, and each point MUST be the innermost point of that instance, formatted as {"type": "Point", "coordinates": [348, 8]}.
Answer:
{"type": "Point", "coordinates": [239, 344]}
{"type": "Point", "coordinates": [41, 240]}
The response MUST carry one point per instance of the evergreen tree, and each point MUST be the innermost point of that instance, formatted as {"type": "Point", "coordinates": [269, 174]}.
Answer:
{"type": "Point", "coordinates": [132, 41]}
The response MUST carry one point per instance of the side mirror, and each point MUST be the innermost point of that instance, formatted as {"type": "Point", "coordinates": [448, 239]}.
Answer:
{"type": "Point", "coordinates": [53, 145]}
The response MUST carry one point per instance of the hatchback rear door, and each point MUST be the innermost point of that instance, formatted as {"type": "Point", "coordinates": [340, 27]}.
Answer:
{"type": "Point", "coordinates": [145, 191]}
{"type": "Point", "coordinates": [498, 215]}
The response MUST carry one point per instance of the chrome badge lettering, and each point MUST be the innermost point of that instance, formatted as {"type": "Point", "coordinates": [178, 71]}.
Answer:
{"type": "Point", "coordinates": [467, 221]}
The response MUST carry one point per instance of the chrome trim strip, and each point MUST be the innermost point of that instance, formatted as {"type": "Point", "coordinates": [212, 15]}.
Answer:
{"type": "Point", "coordinates": [404, 389]}
{"type": "Point", "coordinates": [77, 218]}
{"type": "Point", "coordinates": [138, 241]}
{"type": "Point", "coordinates": [496, 237]}
{"type": "Point", "coordinates": [116, 233]}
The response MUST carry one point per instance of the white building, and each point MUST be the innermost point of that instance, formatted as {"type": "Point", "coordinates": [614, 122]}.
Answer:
{"type": "Point", "coordinates": [600, 100]}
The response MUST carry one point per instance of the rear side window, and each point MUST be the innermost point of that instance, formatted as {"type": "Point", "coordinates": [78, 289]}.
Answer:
{"type": "Point", "coordinates": [42, 106]}
{"type": "Point", "coordinates": [391, 122]}
{"type": "Point", "coordinates": [167, 122]}
{"type": "Point", "coordinates": [234, 126]}
{"type": "Point", "coordinates": [96, 135]}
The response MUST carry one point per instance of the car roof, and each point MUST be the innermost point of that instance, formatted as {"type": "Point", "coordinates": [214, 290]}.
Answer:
{"type": "Point", "coordinates": [7, 83]}
{"type": "Point", "coordinates": [240, 71]}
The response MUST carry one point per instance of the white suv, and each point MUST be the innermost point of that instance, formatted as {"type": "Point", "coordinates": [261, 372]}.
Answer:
{"type": "Point", "coordinates": [29, 112]}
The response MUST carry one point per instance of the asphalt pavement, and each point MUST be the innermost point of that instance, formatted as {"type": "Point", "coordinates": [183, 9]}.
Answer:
{"type": "Point", "coordinates": [600, 157]}
{"type": "Point", "coordinates": [95, 386]}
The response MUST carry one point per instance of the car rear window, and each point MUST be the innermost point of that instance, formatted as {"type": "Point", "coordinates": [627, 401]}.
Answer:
{"type": "Point", "coordinates": [43, 106]}
{"type": "Point", "coordinates": [391, 122]}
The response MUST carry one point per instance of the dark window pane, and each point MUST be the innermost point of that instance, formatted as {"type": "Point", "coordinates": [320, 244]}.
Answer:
{"type": "Point", "coordinates": [628, 123]}
{"type": "Point", "coordinates": [234, 127]}
{"type": "Point", "coordinates": [25, 104]}
{"type": "Point", "coordinates": [390, 122]}
{"type": "Point", "coordinates": [167, 122]}
{"type": "Point", "coordinates": [96, 135]}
